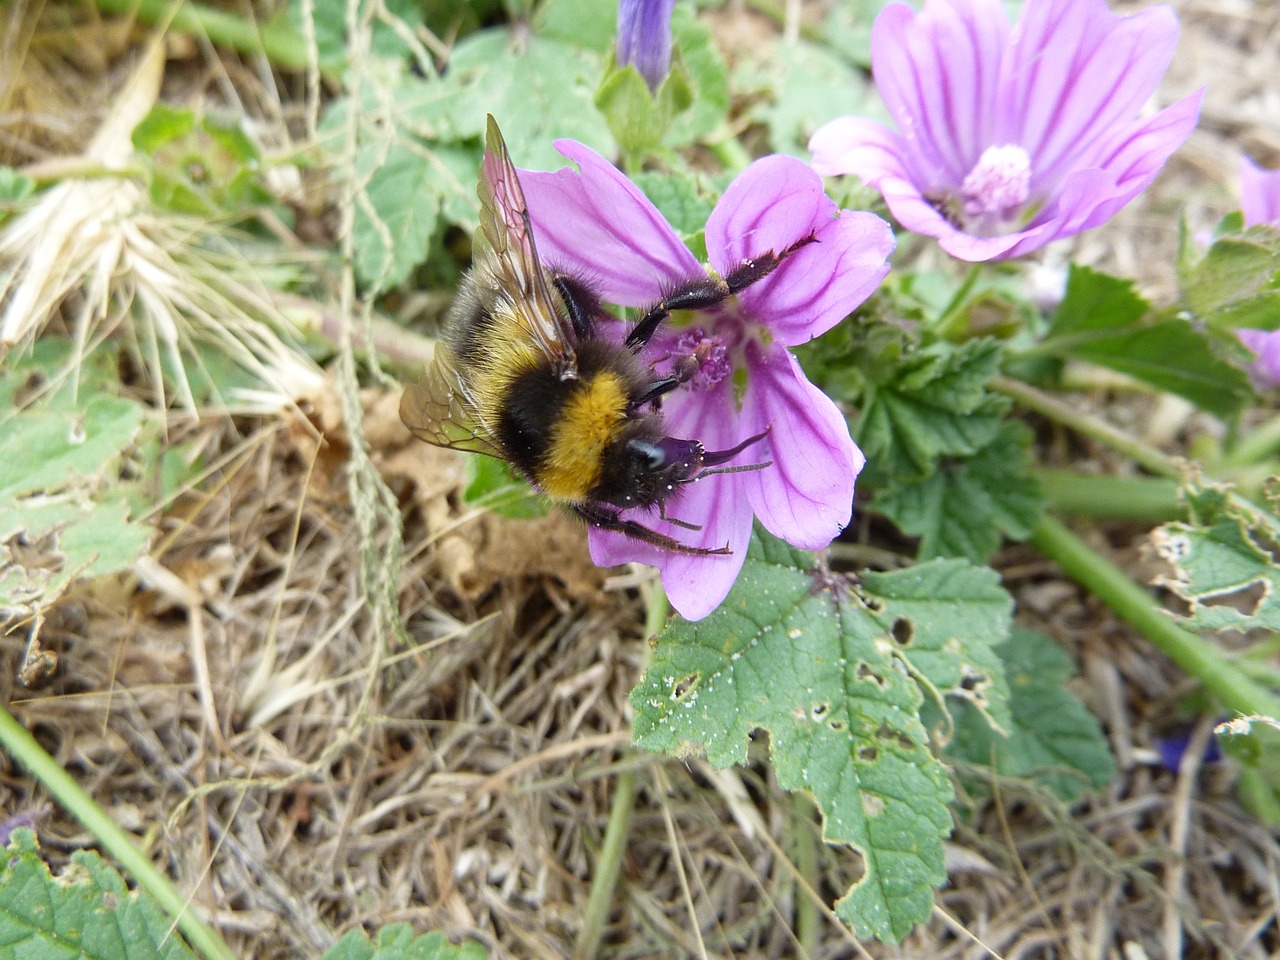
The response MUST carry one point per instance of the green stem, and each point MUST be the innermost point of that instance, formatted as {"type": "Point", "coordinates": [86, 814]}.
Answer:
{"type": "Point", "coordinates": [1259, 445]}
{"type": "Point", "coordinates": [609, 866]}
{"type": "Point", "coordinates": [282, 44]}
{"type": "Point", "coordinates": [808, 920]}
{"type": "Point", "coordinates": [1150, 499]}
{"type": "Point", "coordinates": [1146, 456]}
{"type": "Point", "coordinates": [1220, 676]}
{"type": "Point", "coordinates": [72, 797]}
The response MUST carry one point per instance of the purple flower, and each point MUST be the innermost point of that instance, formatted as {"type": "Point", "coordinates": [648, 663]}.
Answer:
{"type": "Point", "coordinates": [1011, 137]}
{"type": "Point", "coordinates": [596, 223]}
{"type": "Point", "coordinates": [644, 38]}
{"type": "Point", "coordinates": [1260, 203]}
{"type": "Point", "coordinates": [1259, 194]}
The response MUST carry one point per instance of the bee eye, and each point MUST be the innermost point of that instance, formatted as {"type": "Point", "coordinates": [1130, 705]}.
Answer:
{"type": "Point", "coordinates": [651, 456]}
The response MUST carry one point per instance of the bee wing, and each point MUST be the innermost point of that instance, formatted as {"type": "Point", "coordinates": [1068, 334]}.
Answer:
{"type": "Point", "coordinates": [504, 222]}
{"type": "Point", "coordinates": [441, 409]}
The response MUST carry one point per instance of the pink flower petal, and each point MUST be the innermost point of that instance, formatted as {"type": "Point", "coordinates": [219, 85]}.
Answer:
{"type": "Point", "coordinates": [938, 75]}
{"type": "Point", "coordinates": [774, 203]}
{"type": "Point", "coordinates": [806, 496]}
{"type": "Point", "coordinates": [597, 223]}
{"type": "Point", "coordinates": [1259, 194]}
{"type": "Point", "coordinates": [1075, 72]}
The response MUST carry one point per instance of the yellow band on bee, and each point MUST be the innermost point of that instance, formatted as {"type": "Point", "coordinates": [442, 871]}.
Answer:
{"type": "Point", "coordinates": [586, 425]}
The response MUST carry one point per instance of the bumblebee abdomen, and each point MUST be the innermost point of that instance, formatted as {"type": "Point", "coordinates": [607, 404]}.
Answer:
{"type": "Point", "coordinates": [557, 432]}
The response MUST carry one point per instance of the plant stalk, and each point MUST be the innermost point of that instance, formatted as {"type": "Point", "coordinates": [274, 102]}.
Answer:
{"type": "Point", "coordinates": [281, 44]}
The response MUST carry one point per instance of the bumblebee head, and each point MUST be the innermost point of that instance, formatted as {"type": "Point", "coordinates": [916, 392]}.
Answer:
{"type": "Point", "coordinates": [643, 468]}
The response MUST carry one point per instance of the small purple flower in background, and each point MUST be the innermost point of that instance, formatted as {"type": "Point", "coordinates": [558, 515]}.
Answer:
{"type": "Point", "coordinates": [1260, 204]}
{"type": "Point", "coordinates": [1259, 194]}
{"type": "Point", "coordinates": [1011, 137]}
{"type": "Point", "coordinates": [596, 223]}
{"type": "Point", "coordinates": [644, 38]}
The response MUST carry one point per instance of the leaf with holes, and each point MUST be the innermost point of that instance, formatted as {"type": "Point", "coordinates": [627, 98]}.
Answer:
{"type": "Point", "coordinates": [834, 673]}
{"type": "Point", "coordinates": [1053, 740]}
{"type": "Point", "coordinates": [1224, 563]}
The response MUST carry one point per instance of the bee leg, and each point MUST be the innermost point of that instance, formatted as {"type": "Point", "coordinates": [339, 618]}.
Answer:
{"type": "Point", "coordinates": [607, 519]}
{"type": "Point", "coordinates": [685, 369]}
{"type": "Point", "coordinates": [707, 291]}
{"type": "Point", "coordinates": [580, 302]}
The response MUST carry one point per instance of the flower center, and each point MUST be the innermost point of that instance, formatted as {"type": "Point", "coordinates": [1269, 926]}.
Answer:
{"type": "Point", "coordinates": [998, 183]}
{"type": "Point", "coordinates": [709, 353]}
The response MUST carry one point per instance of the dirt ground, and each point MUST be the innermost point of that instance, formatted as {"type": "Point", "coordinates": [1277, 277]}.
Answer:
{"type": "Point", "coordinates": [301, 770]}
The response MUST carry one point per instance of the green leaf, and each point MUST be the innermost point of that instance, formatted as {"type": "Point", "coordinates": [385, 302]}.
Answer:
{"type": "Point", "coordinates": [584, 23]}
{"type": "Point", "coordinates": [330, 23]}
{"type": "Point", "coordinates": [14, 185]}
{"type": "Point", "coordinates": [1053, 739]}
{"type": "Point", "coordinates": [491, 486]}
{"type": "Point", "coordinates": [1223, 564]}
{"type": "Point", "coordinates": [537, 89]}
{"type": "Point", "coordinates": [830, 672]}
{"type": "Point", "coordinates": [637, 118]}
{"type": "Point", "coordinates": [398, 942]}
{"type": "Point", "coordinates": [706, 74]}
{"type": "Point", "coordinates": [932, 404]}
{"type": "Point", "coordinates": [87, 912]}
{"type": "Point", "coordinates": [964, 507]}
{"type": "Point", "coordinates": [42, 451]}
{"type": "Point", "coordinates": [1236, 283]}
{"type": "Point", "coordinates": [802, 85]}
{"type": "Point", "coordinates": [1104, 321]}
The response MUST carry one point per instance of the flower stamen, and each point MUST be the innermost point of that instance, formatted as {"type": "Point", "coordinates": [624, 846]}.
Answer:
{"type": "Point", "coordinates": [999, 182]}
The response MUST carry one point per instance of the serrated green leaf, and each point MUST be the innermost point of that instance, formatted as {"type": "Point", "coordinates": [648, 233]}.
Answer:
{"type": "Point", "coordinates": [398, 942]}
{"type": "Point", "coordinates": [536, 88]}
{"type": "Point", "coordinates": [825, 670]}
{"type": "Point", "coordinates": [964, 507]}
{"type": "Point", "coordinates": [946, 617]}
{"type": "Point", "coordinates": [1053, 739]}
{"type": "Point", "coordinates": [1104, 321]}
{"type": "Point", "coordinates": [88, 912]}
{"type": "Point", "coordinates": [1236, 283]}
{"type": "Point", "coordinates": [933, 404]}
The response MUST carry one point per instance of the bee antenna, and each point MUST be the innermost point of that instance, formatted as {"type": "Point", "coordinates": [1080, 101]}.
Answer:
{"type": "Point", "coordinates": [744, 468]}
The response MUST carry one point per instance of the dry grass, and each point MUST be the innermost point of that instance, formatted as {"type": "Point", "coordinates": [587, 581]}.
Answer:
{"type": "Point", "coordinates": [241, 704]}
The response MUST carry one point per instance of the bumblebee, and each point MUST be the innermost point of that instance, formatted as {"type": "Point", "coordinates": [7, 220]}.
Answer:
{"type": "Point", "coordinates": [525, 375]}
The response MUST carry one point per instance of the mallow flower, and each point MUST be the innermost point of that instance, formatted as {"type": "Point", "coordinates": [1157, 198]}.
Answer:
{"type": "Point", "coordinates": [1260, 203]}
{"type": "Point", "coordinates": [596, 223]}
{"type": "Point", "coordinates": [644, 38]}
{"type": "Point", "coordinates": [1009, 137]}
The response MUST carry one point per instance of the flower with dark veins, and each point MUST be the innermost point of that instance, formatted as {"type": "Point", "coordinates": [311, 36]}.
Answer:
{"type": "Point", "coordinates": [596, 223]}
{"type": "Point", "coordinates": [1009, 137]}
